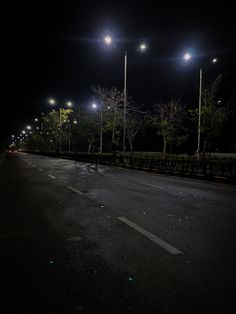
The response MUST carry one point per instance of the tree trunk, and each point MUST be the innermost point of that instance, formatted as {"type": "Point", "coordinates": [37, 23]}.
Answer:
{"type": "Point", "coordinates": [89, 147]}
{"type": "Point", "coordinates": [114, 125]}
{"type": "Point", "coordinates": [131, 146]}
{"type": "Point", "coordinates": [164, 146]}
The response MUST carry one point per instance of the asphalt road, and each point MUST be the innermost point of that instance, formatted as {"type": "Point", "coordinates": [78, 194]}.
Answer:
{"type": "Point", "coordinates": [76, 239]}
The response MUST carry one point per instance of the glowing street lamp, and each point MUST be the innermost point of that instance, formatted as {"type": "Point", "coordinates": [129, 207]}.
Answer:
{"type": "Point", "coordinates": [108, 40]}
{"type": "Point", "coordinates": [142, 46]}
{"type": "Point", "coordinates": [28, 127]}
{"type": "Point", "coordinates": [52, 101]}
{"type": "Point", "coordinates": [23, 132]}
{"type": "Point", "coordinates": [95, 106]}
{"type": "Point", "coordinates": [69, 104]}
{"type": "Point", "coordinates": [187, 57]}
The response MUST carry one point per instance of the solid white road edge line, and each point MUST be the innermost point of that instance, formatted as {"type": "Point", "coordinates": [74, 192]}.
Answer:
{"type": "Point", "coordinates": [166, 246]}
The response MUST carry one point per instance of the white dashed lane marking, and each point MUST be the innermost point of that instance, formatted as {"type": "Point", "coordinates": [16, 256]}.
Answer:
{"type": "Point", "coordinates": [151, 185]}
{"type": "Point", "coordinates": [166, 246]}
{"type": "Point", "coordinates": [52, 176]}
{"type": "Point", "coordinates": [75, 190]}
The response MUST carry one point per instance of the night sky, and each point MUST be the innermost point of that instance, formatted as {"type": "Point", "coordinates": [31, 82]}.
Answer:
{"type": "Point", "coordinates": [53, 49]}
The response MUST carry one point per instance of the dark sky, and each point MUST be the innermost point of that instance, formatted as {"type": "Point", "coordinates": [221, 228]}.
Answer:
{"type": "Point", "coordinates": [54, 49]}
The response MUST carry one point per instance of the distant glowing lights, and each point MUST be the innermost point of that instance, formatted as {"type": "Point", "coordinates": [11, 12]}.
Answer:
{"type": "Point", "coordinates": [69, 104]}
{"type": "Point", "coordinates": [52, 101]}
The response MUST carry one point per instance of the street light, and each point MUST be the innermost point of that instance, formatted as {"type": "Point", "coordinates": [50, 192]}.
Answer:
{"type": "Point", "coordinates": [187, 57]}
{"type": "Point", "coordinates": [69, 104]}
{"type": "Point", "coordinates": [94, 106]}
{"type": "Point", "coordinates": [28, 127]}
{"type": "Point", "coordinates": [52, 101]}
{"type": "Point", "coordinates": [108, 40]}
{"type": "Point", "coordinates": [142, 47]}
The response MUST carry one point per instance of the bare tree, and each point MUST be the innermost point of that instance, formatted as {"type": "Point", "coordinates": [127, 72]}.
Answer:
{"type": "Point", "coordinates": [111, 101]}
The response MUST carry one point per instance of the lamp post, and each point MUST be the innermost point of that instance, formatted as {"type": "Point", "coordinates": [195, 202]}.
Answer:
{"type": "Point", "coordinates": [199, 112]}
{"type": "Point", "coordinates": [94, 106]}
{"type": "Point", "coordinates": [187, 57]}
{"type": "Point", "coordinates": [142, 47]}
{"type": "Point", "coordinates": [68, 104]}
{"type": "Point", "coordinates": [125, 103]}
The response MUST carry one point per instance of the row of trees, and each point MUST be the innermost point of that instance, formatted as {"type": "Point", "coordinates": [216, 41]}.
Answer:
{"type": "Point", "coordinates": [86, 129]}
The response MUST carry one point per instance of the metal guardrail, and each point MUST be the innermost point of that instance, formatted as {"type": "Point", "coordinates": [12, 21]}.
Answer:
{"type": "Point", "coordinates": [207, 168]}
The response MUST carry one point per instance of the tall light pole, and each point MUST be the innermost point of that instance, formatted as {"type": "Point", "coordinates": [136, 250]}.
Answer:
{"type": "Point", "coordinates": [125, 103]}
{"type": "Point", "coordinates": [199, 113]}
{"type": "Point", "coordinates": [187, 57]}
{"type": "Point", "coordinates": [69, 104]}
{"type": "Point", "coordinates": [94, 106]}
{"type": "Point", "coordinates": [142, 47]}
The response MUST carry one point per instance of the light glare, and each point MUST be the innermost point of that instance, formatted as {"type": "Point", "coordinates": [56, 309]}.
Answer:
{"type": "Point", "coordinates": [187, 56]}
{"type": "Point", "coordinates": [108, 40]}
{"type": "Point", "coordinates": [52, 101]}
{"type": "Point", "coordinates": [143, 47]}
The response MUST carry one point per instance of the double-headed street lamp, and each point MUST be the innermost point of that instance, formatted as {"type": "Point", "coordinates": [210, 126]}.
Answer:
{"type": "Point", "coordinates": [69, 104]}
{"type": "Point", "coordinates": [187, 57]}
{"type": "Point", "coordinates": [142, 47]}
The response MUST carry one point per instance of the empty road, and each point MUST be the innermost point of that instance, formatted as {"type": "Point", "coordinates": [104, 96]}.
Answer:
{"type": "Point", "coordinates": [80, 239]}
